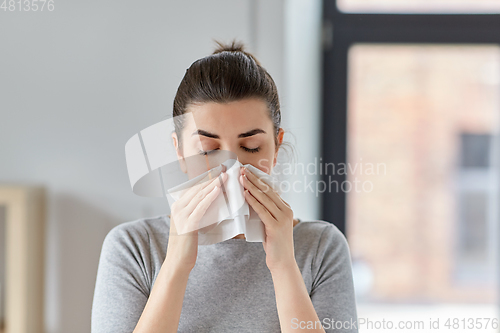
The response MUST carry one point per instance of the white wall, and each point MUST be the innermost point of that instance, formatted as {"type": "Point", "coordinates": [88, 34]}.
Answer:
{"type": "Point", "coordinates": [77, 82]}
{"type": "Point", "coordinates": [302, 95]}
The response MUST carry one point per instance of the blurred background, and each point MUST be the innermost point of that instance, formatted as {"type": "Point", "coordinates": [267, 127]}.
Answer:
{"type": "Point", "coordinates": [407, 93]}
{"type": "Point", "coordinates": [413, 87]}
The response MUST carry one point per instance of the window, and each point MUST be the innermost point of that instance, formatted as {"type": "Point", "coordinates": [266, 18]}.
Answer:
{"type": "Point", "coordinates": [428, 113]}
{"type": "Point", "coordinates": [477, 214]}
{"type": "Point", "coordinates": [475, 150]}
{"type": "Point", "coordinates": [419, 94]}
{"type": "Point", "coordinates": [419, 6]}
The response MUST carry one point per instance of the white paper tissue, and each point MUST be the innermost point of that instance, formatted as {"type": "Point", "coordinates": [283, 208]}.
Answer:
{"type": "Point", "coordinates": [229, 215]}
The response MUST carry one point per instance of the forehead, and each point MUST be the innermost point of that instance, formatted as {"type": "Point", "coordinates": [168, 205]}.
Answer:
{"type": "Point", "coordinates": [229, 119]}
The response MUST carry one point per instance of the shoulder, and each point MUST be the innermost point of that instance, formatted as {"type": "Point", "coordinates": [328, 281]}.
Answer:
{"type": "Point", "coordinates": [320, 240]}
{"type": "Point", "coordinates": [137, 235]}
{"type": "Point", "coordinates": [316, 231]}
{"type": "Point", "coordinates": [140, 228]}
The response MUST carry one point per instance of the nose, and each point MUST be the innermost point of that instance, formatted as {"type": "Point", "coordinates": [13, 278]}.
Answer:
{"type": "Point", "coordinates": [234, 151]}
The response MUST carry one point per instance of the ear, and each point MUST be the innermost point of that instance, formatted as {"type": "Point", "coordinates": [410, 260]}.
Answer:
{"type": "Point", "coordinates": [281, 133]}
{"type": "Point", "coordinates": [180, 157]}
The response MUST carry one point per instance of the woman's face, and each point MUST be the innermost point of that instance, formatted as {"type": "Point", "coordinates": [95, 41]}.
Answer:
{"type": "Point", "coordinates": [242, 127]}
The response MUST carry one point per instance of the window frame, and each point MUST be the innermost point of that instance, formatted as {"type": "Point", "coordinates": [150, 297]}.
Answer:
{"type": "Point", "coordinates": [341, 31]}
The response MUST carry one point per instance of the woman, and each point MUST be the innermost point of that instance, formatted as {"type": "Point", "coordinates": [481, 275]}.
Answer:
{"type": "Point", "coordinates": [299, 279]}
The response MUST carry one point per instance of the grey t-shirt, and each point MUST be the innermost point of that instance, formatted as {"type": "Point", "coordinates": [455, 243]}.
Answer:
{"type": "Point", "coordinates": [230, 288]}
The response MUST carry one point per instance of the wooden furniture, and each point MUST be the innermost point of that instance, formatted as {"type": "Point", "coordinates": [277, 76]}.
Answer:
{"type": "Point", "coordinates": [24, 215]}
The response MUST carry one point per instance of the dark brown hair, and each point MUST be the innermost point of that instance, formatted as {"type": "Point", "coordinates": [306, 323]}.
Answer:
{"type": "Point", "coordinates": [229, 74]}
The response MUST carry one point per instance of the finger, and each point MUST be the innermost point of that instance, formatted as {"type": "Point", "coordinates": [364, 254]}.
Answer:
{"type": "Point", "coordinates": [285, 203]}
{"type": "Point", "coordinates": [262, 197]}
{"type": "Point", "coordinates": [186, 208]}
{"type": "Point", "coordinates": [201, 190]}
{"type": "Point", "coordinates": [201, 208]}
{"type": "Point", "coordinates": [263, 213]}
{"type": "Point", "coordinates": [266, 188]}
{"type": "Point", "coordinates": [186, 214]}
{"type": "Point", "coordinates": [189, 194]}
{"type": "Point", "coordinates": [198, 197]}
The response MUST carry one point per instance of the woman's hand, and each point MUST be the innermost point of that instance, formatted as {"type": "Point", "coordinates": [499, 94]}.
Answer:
{"type": "Point", "coordinates": [182, 249]}
{"type": "Point", "coordinates": [277, 217]}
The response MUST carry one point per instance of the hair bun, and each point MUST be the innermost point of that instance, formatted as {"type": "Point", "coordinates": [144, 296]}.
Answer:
{"type": "Point", "coordinates": [235, 46]}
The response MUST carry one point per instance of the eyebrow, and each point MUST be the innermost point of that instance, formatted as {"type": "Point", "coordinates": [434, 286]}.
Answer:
{"type": "Point", "coordinates": [242, 135]}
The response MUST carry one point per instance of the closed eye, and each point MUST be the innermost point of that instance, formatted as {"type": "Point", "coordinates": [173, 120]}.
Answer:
{"type": "Point", "coordinates": [251, 150]}
{"type": "Point", "coordinates": [206, 152]}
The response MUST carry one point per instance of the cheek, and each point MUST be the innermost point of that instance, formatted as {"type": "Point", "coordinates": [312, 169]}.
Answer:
{"type": "Point", "coordinates": [191, 146]}
{"type": "Point", "coordinates": [263, 162]}
{"type": "Point", "coordinates": [188, 151]}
